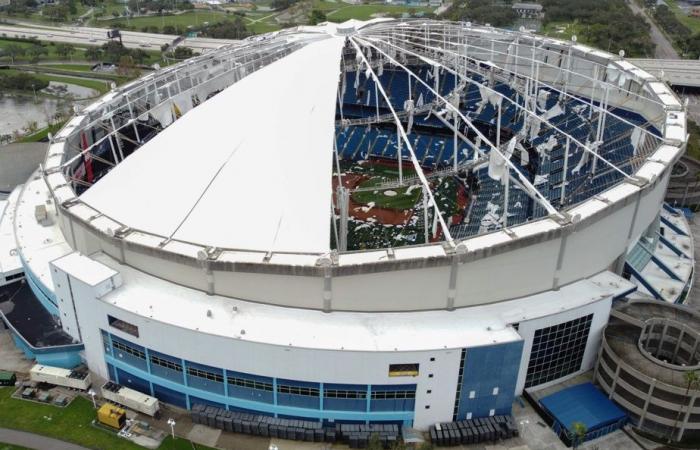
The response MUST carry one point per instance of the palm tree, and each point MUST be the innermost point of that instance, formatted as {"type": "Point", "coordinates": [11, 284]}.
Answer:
{"type": "Point", "coordinates": [577, 434]}
{"type": "Point", "coordinates": [692, 381]}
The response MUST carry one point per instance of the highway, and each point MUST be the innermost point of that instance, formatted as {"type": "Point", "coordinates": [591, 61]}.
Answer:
{"type": "Point", "coordinates": [98, 36]}
{"type": "Point", "coordinates": [664, 49]}
{"type": "Point", "coordinates": [677, 72]}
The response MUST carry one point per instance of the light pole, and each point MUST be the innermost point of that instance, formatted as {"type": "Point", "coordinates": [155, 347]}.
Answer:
{"type": "Point", "coordinates": [171, 422]}
{"type": "Point", "coordinates": [92, 394]}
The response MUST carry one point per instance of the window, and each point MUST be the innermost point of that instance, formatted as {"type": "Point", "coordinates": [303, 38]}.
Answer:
{"type": "Point", "coordinates": [472, 394]}
{"type": "Point", "coordinates": [336, 393]}
{"type": "Point", "coordinates": [126, 327]}
{"type": "Point", "coordinates": [403, 370]}
{"type": "Point", "coordinates": [199, 373]}
{"type": "Point", "coordinates": [469, 416]}
{"type": "Point", "coordinates": [165, 363]}
{"type": "Point", "coordinates": [495, 391]}
{"type": "Point", "coordinates": [427, 406]}
{"type": "Point", "coordinates": [298, 390]}
{"type": "Point", "coordinates": [430, 391]}
{"type": "Point", "coordinates": [558, 350]}
{"type": "Point", "coordinates": [392, 395]}
{"type": "Point", "coordinates": [133, 351]}
{"type": "Point", "coordinates": [250, 384]}
{"type": "Point", "coordinates": [432, 359]}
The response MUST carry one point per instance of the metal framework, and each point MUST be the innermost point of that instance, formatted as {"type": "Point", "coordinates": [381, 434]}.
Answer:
{"type": "Point", "coordinates": [483, 57]}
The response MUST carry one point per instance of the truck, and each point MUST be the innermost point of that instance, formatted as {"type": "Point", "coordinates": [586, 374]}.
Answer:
{"type": "Point", "coordinates": [130, 398]}
{"type": "Point", "coordinates": [74, 379]}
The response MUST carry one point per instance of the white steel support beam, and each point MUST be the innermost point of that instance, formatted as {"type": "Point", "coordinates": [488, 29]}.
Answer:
{"type": "Point", "coordinates": [404, 137]}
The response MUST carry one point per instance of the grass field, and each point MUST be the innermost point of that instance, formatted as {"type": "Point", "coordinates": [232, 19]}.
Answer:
{"type": "Point", "coordinates": [399, 198]}
{"type": "Point", "coordinates": [79, 54]}
{"type": "Point", "coordinates": [691, 22]}
{"type": "Point", "coordinates": [365, 12]}
{"type": "Point", "coordinates": [100, 86]}
{"type": "Point", "coordinates": [73, 67]}
{"type": "Point", "coordinates": [73, 424]}
{"type": "Point", "coordinates": [183, 20]}
{"type": "Point", "coordinates": [11, 447]}
{"type": "Point", "coordinates": [42, 134]}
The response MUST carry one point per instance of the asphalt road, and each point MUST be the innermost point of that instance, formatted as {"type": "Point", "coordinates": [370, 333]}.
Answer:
{"type": "Point", "coordinates": [35, 441]}
{"type": "Point", "coordinates": [98, 36]}
{"type": "Point", "coordinates": [664, 49]}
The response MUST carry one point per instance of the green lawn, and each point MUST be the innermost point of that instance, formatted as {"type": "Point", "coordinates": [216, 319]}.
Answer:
{"type": "Point", "coordinates": [73, 67]}
{"type": "Point", "coordinates": [101, 86]}
{"type": "Point", "coordinates": [183, 20]}
{"type": "Point", "coordinates": [691, 22]}
{"type": "Point", "coordinates": [693, 149]}
{"type": "Point", "coordinates": [78, 55]}
{"type": "Point", "coordinates": [73, 424]}
{"type": "Point", "coordinates": [39, 135]}
{"type": "Point", "coordinates": [365, 12]}
{"type": "Point", "coordinates": [11, 447]}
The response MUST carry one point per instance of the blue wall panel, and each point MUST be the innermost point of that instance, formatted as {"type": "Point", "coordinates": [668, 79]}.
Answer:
{"type": "Point", "coordinates": [485, 369]}
{"type": "Point", "coordinates": [132, 381]}
{"type": "Point", "coordinates": [169, 396]}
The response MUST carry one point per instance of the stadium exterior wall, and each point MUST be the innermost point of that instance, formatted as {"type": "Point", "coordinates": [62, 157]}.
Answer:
{"type": "Point", "coordinates": [543, 251]}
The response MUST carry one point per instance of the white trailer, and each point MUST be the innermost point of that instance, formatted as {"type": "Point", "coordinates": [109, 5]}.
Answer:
{"type": "Point", "coordinates": [60, 377]}
{"type": "Point", "coordinates": [130, 398]}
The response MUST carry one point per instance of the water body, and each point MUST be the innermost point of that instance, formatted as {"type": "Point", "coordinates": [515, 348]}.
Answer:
{"type": "Point", "coordinates": [16, 111]}
{"type": "Point", "coordinates": [75, 91]}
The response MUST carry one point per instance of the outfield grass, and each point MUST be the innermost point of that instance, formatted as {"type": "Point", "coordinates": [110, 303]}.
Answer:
{"type": "Point", "coordinates": [401, 198]}
{"type": "Point", "coordinates": [72, 423]}
{"type": "Point", "coordinates": [379, 174]}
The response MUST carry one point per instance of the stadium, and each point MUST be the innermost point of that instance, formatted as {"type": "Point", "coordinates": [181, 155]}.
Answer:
{"type": "Point", "coordinates": [389, 221]}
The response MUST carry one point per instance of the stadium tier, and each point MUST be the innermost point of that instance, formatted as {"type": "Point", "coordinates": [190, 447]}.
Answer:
{"type": "Point", "coordinates": [383, 222]}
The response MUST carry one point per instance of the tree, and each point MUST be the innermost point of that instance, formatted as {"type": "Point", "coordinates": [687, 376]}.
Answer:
{"type": "Point", "coordinates": [577, 434]}
{"type": "Point", "coordinates": [14, 50]}
{"type": "Point", "coordinates": [57, 13]}
{"type": "Point", "coordinates": [93, 54]}
{"type": "Point", "coordinates": [64, 50]}
{"type": "Point", "coordinates": [35, 52]}
{"type": "Point", "coordinates": [317, 16]}
{"type": "Point", "coordinates": [183, 53]}
{"type": "Point", "coordinates": [692, 381]}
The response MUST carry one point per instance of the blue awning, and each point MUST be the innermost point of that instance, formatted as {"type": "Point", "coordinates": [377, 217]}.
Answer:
{"type": "Point", "coordinates": [582, 403]}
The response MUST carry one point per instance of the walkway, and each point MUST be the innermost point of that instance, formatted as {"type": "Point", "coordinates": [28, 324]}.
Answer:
{"type": "Point", "coordinates": [693, 299]}
{"type": "Point", "coordinates": [35, 441]}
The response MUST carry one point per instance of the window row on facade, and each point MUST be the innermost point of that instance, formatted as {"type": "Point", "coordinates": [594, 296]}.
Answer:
{"type": "Point", "coordinates": [327, 396]}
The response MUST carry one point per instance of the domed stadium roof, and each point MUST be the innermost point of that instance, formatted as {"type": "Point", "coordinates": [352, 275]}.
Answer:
{"type": "Point", "coordinates": [290, 142]}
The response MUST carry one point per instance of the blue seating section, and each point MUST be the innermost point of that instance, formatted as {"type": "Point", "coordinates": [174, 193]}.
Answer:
{"type": "Point", "coordinates": [432, 141]}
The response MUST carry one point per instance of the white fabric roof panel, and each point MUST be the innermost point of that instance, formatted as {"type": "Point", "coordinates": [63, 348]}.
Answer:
{"type": "Point", "coordinates": [248, 169]}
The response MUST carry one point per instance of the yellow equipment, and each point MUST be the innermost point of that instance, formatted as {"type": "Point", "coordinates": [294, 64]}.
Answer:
{"type": "Point", "coordinates": [112, 416]}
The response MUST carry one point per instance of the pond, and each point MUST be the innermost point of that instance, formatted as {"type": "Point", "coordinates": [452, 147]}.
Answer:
{"type": "Point", "coordinates": [17, 111]}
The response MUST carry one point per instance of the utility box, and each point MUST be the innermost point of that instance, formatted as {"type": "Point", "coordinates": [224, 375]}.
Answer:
{"type": "Point", "coordinates": [112, 416]}
{"type": "Point", "coordinates": [7, 378]}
